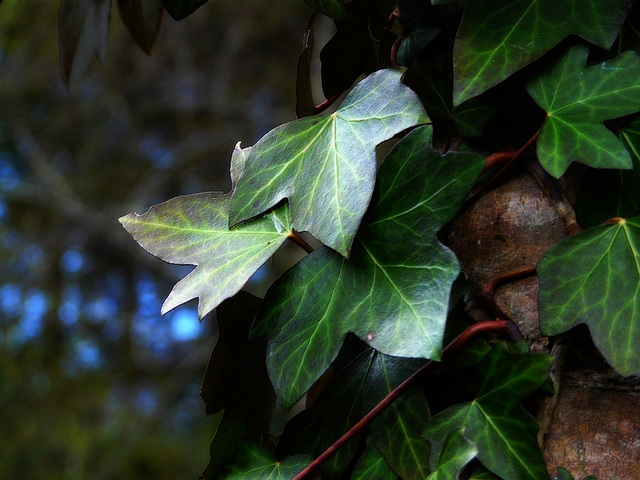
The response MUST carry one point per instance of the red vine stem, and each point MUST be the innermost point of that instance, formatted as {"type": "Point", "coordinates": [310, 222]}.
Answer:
{"type": "Point", "coordinates": [509, 157]}
{"type": "Point", "coordinates": [324, 105]}
{"type": "Point", "coordinates": [456, 344]}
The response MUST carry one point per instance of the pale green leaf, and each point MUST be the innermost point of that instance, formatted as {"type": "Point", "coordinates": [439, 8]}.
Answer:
{"type": "Point", "coordinates": [193, 230]}
{"type": "Point", "coordinates": [326, 165]}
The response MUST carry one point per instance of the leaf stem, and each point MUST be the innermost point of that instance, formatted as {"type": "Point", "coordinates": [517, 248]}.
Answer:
{"type": "Point", "coordinates": [509, 157]}
{"type": "Point", "coordinates": [300, 242]}
{"type": "Point", "coordinates": [456, 344]}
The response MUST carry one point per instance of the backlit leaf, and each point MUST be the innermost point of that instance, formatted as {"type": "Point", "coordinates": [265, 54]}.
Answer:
{"type": "Point", "coordinates": [577, 100]}
{"type": "Point", "coordinates": [193, 230]}
{"type": "Point", "coordinates": [497, 38]}
{"type": "Point", "coordinates": [326, 165]}
{"type": "Point", "coordinates": [83, 27]}
{"type": "Point", "coordinates": [180, 9]}
{"type": "Point", "coordinates": [393, 292]}
{"type": "Point", "coordinates": [142, 18]}
{"type": "Point", "coordinates": [252, 462]}
{"type": "Point", "coordinates": [594, 278]}
{"type": "Point", "coordinates": [494, 422]}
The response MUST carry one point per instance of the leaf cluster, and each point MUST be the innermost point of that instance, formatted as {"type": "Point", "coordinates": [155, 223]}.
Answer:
{"type": "Point", "coordinates": [342, 329]}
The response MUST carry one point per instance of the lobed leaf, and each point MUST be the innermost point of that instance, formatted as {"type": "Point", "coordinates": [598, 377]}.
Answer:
{"type": "Point", "coordinates": [497, 38]}
{"type": "Point", "coordinates": [503, 434]}
{"type": "Point", "coordinates": [326, 165]}
{"type": "Point", "coordinates": [193, 230]}
{"type": "Point", "coordinates": [393, 292]}
{"type": "Point", "coordinates": [594, 278]}
{"type": "Point", "coordinates": [577, 100]}
{"type": "Point", "coordinates": [457, 451]}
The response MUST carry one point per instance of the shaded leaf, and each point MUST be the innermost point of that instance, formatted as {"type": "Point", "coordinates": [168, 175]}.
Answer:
{"type": "Point", "coordinates": [371, 465]}
{"type": "Point", "coordinates": [351, 394]}
{"type": "Point", "coordinates": [236, 380]}
{"type": "Point", "coordinates": [393, 292]}
{"type": "Point", "coordinates": [193, 230]}
{"type": "Point", "coordinates": [457, 451]}
{"type": "Point", "coordinates": [326, 165]}
{"type": "Point", "coordinates": [563, 474]}
{"type": "Point", "coordinates": [577, 100]}
{"type": "Point", "coordinates": [594, 278]}
{"type": "Point", "coordinates": [397, 432]}
{"type": "Point", "coordinates": [142, 18]}
{"type": "Point", "coordinates": [496, 39]}
{"type": "Point", "coordinates": [180, 9]}
{"type": "Point", "coordinates": [629, 38]}
{"type": "Point", "coordinates": [418, 36]}
{"type": "Point", "coordinates": [494, 422]}
{"type": "Point", "coordinates": [612, 193]}
{"type": "Point", "coordinates": [83, 27]}
{"type": "Point", "coordinates": [252, 462]}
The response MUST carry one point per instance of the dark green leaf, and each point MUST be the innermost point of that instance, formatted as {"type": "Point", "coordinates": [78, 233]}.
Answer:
{"type": "Point", "coordinates": [371, 466]}
{"type": "Point", "coordinates": [252, 462]}
{"type": "Point", "coordinates": [352, 393]}
{"type": "Point", "coordinates": [630, 33]}
{"type": "Point", "coordinates": [142, 18]}
{"type": "Point", "coordinates": [193, 230]}
{"type": "Point", "coordinates": [577, 100]}
{"type": "Point", "coordinates": [83, 27]}
{"type": "Point", "coordinates": [494, 422]}
{"type": "Point", "coordinates": [180, 9]}
{"type": "Point", "coordinates": [418, 36]}
{"type": "Point", "coordinates": [612, 193]}
{"type": "Point", "coordinates": [236, 380]}
{"type": "Point", "coordinates": [397, 432]}
{"type": "Point", "coordinates": [332, 8]}
{"type": "Point", "coordinates": [594, 278]}
{"type": "Point", "coordinates": [393, 292]}
{"type": "Point", "coordinates": [498, 38]}
{"type": "Point", "coordinates": [326, 165]}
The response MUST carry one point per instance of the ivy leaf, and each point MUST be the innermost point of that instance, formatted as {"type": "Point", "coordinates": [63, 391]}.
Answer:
{"type": "Point", "coordinates": [494, 422]}
{"type": "Point", "coordinates": [457, 451]}
{"type": "Point", "coordinates": [397, 432]}
{"type": "Point", "coordinates": [193, 230]}
{"type": "Point", "coordinates": [305, 105]}
{"type": "Point", "coordinates": [577, 100]}
{"type": "Point", "coordinates": [352, 393]}
{"type": "Point", "coordinates": [236, 380]}
{"type": "Point", "coordinates": [496, 38]}
{"type": "Point", "coordinates": [326, 165]}
{"type": "Point", "coordinates": [180, 9]}
{"type": "Point", "coordinates": [83, 27]}
{"type": "Point", "coordinates": [393, 292]}
{"type": "Point", "coordinates": [252, 462]}
{"type": "Point", "coordinates": [594, 278]}
{"type": "Point", "coordinates": [142, 18]}
{"type": "Point", "coordinates": [371, 465]}
{"type": "Point", "coordinates": [612, 193]}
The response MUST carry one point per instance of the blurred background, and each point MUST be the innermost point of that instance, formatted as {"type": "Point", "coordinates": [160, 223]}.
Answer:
{"type": "Point", "coordinates": [94, 384]}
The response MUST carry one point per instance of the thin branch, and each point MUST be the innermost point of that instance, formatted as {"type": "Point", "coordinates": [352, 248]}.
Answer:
{"type": "Point", "coordinates": [456, 344]}
{"type": "Point", "coordinates": [300, 242]}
